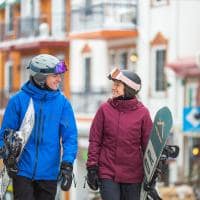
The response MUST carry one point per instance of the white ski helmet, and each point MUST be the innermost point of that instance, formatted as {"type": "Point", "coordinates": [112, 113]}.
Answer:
{"type": "Point", "coordinates": [42, 65]}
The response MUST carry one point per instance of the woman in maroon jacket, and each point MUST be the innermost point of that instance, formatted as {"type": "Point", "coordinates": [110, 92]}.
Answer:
{"type": "Point", "coordinates": [117, 141]}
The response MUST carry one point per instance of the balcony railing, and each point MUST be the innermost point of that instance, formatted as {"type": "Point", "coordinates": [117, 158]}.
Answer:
{"type": "Point", "coordinates": [104, 16]}
{"type": "Point", "coordinates": [87, 102]}
{"type": "Point", "coordinates": [28, 27]}
{"type": "Point", "coordinates": [32, 26]}
{"type": "Point", "coordinates": [21, 27]}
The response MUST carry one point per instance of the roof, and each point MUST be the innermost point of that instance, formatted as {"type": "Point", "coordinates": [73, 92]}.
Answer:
{"type": "Point", "coordinates": [185, 67]}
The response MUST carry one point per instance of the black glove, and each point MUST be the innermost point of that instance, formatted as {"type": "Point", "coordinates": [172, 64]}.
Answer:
{"type": "Point", "coordinates": [92, 177]}
{"type": "Point", "coordinates": [66, 175]}
{"type": "Point", "coordinates": [2, 152]}
{"type": "Point", "coordinates": [11, 166]}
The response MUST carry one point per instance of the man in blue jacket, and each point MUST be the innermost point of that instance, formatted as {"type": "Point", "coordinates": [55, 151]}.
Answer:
{"type": "Point", "coordinates": [53, 139]}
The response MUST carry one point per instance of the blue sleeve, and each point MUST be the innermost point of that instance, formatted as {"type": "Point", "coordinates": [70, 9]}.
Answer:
{"type": "Point", "coordinates": [69, 134]}
{"type": "Point", "coordinates": [10, 118]}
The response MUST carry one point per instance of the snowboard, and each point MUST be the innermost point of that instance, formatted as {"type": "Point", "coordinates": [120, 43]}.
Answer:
{"type": "Point", "coordinates": [23, 134]}
{"type": "Point", "coordinates": [157, 141]}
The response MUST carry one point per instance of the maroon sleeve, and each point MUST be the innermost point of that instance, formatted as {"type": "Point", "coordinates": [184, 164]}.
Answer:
{"type": "Point", "coordinates": [147, 126]}
{"type": "Point", "coordinates": [95, 139]}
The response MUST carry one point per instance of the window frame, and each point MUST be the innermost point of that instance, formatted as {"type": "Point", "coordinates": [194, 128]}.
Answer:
{"type": "Point", "coordinates": [121, 54]}
{"type": "Point", "coordinates": [84, 79]}
{"type": "Point", "coordinates": [117, 54]}
{"type": "Point", "coordinates": [8, 77]}
{"type": "Point", "coordinates": [155, 92]}
{"type": "Point", "coordinates": [9, 19]}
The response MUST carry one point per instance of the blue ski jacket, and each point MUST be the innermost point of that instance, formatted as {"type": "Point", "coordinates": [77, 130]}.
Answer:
{"type": "Point", "coordinates": [54, 134]}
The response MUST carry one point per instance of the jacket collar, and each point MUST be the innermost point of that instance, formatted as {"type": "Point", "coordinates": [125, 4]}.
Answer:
{"type": "Point", "coordinates": [124, 105]}
{"type": "Point", "coordinates": [37, 93]}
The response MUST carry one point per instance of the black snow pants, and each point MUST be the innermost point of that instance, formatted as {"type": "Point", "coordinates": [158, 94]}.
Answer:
{"type": "Point", "coordinates": [111, 190]}
{"type": "Point", "coordinates": [27, 189]}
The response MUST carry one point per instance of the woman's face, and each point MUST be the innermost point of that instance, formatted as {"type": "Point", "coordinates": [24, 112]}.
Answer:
{"type": "Point", "coordinates": [117, 89]}
{"type": "Point", "coordinates": [53, 81]}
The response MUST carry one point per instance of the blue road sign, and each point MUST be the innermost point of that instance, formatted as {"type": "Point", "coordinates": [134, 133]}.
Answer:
{"type": "Point", "coordinates": [191, 119]}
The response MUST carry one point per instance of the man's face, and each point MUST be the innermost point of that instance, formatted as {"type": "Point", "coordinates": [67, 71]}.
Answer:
{"type": "Point", "coordinates": [117, 89]}
{"type": "Point", "coordinates": [53, 81]}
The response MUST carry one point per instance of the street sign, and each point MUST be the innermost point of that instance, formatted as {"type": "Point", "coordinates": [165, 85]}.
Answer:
{"type": "Point", "coordinates": [191, 119]}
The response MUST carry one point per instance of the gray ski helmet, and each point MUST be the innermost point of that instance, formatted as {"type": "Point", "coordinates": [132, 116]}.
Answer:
{"type": "Point", "coordinates": [44, 64]}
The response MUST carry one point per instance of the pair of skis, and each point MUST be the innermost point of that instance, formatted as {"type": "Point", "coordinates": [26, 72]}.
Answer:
{"type": "Point", "coordinates": [21, 136]}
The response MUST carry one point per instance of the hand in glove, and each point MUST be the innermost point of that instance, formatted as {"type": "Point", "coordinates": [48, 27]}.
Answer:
{"type": "Point", "coordinates": [11, 166]}
{"type": "Point", "coordinates": [92, 177]}
{"type": "Point", "coordinates": [2, 152]}
{"type": "Point", "coordinates": [65, 176]}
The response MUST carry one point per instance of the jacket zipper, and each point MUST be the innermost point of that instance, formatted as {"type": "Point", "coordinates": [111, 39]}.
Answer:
{"type": "Point", "coordinates": [38, 140]}
{"type": "Point", "coordinates": [117, 135]}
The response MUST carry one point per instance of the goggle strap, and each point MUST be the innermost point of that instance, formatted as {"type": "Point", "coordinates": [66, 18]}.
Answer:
{"type": "Point", "coordinates": [117, 74]}
{"type": "Point", "coordinates": [129, 82]}
{"type": "Point", "coordinates": [45, 71]}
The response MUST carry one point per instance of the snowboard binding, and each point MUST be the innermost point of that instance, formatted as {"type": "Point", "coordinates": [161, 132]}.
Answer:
{"type": "Point", "coordinates": [169, 151]}
{"type": "Point", "coordinates": [10, 151]}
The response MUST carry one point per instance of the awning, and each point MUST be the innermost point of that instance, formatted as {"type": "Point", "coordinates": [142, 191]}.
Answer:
{"type": "Point", "coordinates": [185, 67]}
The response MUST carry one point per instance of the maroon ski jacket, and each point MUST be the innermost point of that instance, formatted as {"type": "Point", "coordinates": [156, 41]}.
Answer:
{"type": "Point", "coordinates": [118, 138]}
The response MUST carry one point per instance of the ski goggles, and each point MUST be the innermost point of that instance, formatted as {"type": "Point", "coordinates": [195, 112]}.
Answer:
{"type": "Point", "coordinates": [117, 74]}
{"type": "Point", "coordinates": [60, 68]}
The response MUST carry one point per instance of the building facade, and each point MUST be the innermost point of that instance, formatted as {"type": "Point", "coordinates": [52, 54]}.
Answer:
{"type": "Point", "coordinates": [28, 28]}
{"type": "Point", "coordinates": [158, 39]}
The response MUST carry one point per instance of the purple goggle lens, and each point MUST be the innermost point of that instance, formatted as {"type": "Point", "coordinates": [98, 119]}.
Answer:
{"type": "Point", "coordinates": [60, 68]}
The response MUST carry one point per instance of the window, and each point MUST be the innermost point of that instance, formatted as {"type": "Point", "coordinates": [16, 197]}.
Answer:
{"type": "Point", "coordinates": [160, 77]}
{"type": "Point", "coordinates": [191, 94]}
{"type": "Point", "coordinates": [87, 77]}
{"type": "Point", "coordinates": [9, 18]}
{"type": "Point", "coordinates": [123, 60]}
{"type": "Point", "coordinates": [157, 71]}
{"type": "Point", "coordinates": [8, 77]}
{"type": "Point", "coordinates": [158, 58]}
{"type": "Point", "coordinates": [88, 7]}
{"type": "Point", "coordinates": [128, 16]}
{"type": "Point", "coordinates": [112, 59]}
{"type": "Point", "coordinates": [58, 17]}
